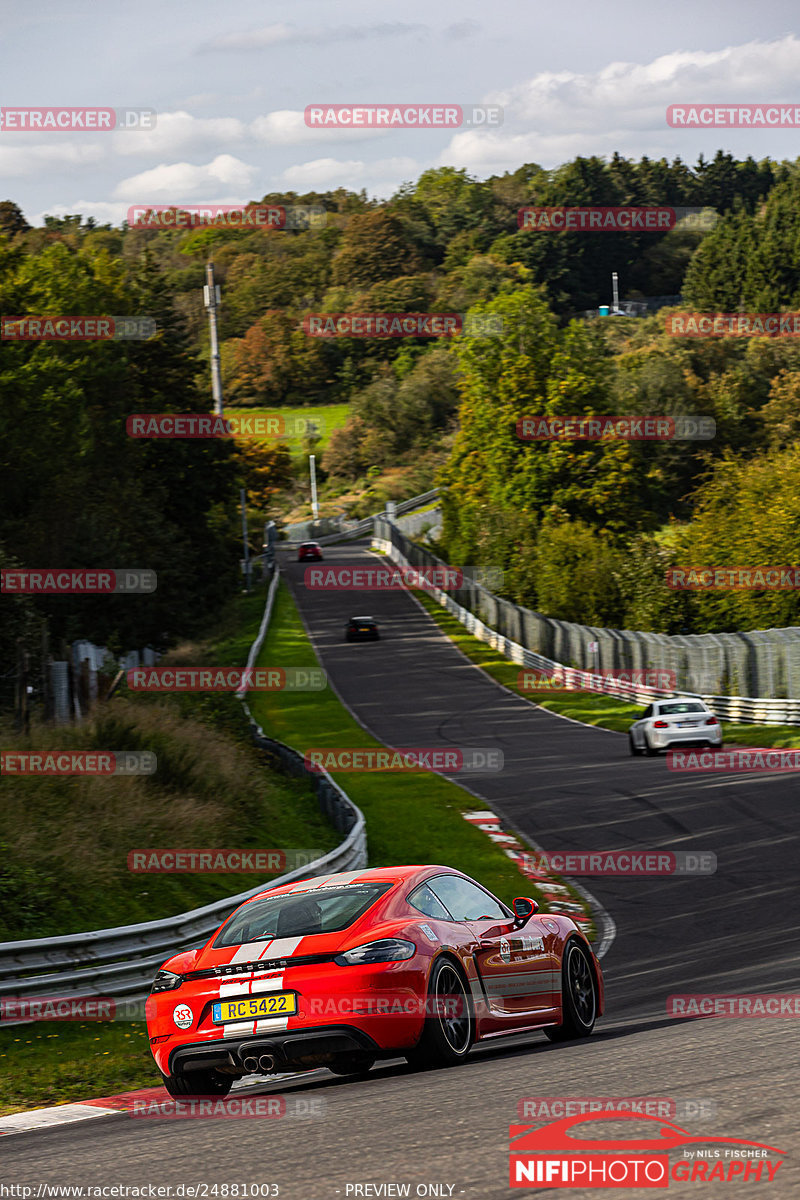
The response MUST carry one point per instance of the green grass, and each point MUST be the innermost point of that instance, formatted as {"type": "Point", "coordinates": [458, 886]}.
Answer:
{"type": "Point", "coordinates": [326, 417]}
{"type": "Point", "coordinates": [606, 712]}
{"type": "Point", "coordinates": [411, 818]}
{"type": "Point", "coordinates": [50, 1063]}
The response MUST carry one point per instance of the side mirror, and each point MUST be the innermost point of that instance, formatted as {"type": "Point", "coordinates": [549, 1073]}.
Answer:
{"type": "Point", "coordinates": [524, 908]}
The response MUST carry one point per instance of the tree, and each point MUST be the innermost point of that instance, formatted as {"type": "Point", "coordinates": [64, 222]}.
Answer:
{"type": "Point", "coordinates": [11, 218]}
{"type": "Point", "coordinates": [373, 248]}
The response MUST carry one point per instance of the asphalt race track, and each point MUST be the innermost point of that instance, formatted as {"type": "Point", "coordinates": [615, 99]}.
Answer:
{"type": "Point", "coordinates": [568, 788]}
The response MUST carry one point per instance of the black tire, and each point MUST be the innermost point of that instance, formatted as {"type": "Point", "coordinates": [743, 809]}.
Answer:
{"type": "Point", "coordinates": [198, 1083]}
{"type": "Point", "coordinates": [649, 750]}
{"type": "Point", "coordinates": [446, 1038]}
{"type": "Point", "coordinates": [578, 995]}
{"type": "Point", "coordinates": [354, 1067]}
{"type": "Point", "coordinates": [635, 751]}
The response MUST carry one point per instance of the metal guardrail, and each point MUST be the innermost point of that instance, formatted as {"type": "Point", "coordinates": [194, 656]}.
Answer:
{"type": "Point", "coordinates": [360, 528]}
{"type": "Point", "coordinates": [747, 710]}
{"type": "Point", "coordinates": [120, 963]}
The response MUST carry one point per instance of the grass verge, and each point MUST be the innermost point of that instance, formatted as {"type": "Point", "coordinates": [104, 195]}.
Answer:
{"type": "Point", "coordinates": [50, 1063]}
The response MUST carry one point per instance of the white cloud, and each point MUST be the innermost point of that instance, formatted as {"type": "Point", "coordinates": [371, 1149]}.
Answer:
{"type": "Point", "coordinates": [287, 127]}
{"type": "Point", "coordinates": [556, 115]}
{"type": "Point", "coordinates": [24, 161]}
{"type": "Point", "coordinates": [178, 182]}
{"type": "Point", "coordinates": [104, 212]}
{"type": "Point", "coordinates": [636, 95]}
{"type": "Point", "coordinates": [324, 173]}
{"type": "Point", "coordinates": [180, 133]}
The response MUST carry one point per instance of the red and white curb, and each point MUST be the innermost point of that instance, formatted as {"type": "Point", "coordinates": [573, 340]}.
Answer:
{"type": "Point", "coordinates": [111, 1106]}
{"type": "Point", "coordinates": [557, 896]}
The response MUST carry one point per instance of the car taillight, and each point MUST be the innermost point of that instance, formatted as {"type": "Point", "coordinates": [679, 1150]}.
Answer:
{"type": "Point", "coordinates": [660, 725]}
{"type": "Point", "coordinates": [166, 981]}
{"type": "Point", "coordinates": [712, 721]}
{"type": "Point", "coordinates": [384, 950]}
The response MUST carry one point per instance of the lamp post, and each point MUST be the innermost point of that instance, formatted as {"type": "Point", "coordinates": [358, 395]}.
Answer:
{"type": "Point", "coordinates": [211, 298]}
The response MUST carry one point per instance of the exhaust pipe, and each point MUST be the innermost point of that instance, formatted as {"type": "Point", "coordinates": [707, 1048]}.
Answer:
{"type": "Point", "coordinates": [266, 1063]}
{"type": "Point", "coordinates": [250, 1064]}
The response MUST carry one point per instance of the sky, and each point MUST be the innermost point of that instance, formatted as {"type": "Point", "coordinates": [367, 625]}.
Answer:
{"type": "Point", "coordinates": [229, 84]}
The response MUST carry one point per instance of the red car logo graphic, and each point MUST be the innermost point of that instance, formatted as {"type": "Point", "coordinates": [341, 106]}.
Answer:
{"type": "Point", "coordinates": [531, 1138]}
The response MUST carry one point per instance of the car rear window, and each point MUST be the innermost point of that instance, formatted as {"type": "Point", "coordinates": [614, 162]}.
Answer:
{"type": "Point", "coordinates": [685, 706]}
{"type": "Point", "coordinates": [298, 914]}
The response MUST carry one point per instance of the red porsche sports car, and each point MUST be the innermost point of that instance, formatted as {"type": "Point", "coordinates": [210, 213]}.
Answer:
{"type": "Point", "coordinates": [309, 551]}
{"type": "Point", "coordinates": [341, 970]}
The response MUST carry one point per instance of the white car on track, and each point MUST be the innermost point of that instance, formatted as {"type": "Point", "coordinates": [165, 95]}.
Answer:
{"type": "Point", "coordinates": [681, 721]}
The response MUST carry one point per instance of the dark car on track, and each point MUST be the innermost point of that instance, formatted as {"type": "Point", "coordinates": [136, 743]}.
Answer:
{"type": "Point", "coordinates": [362, 629]}
{"type": "Point", "coordinates": [310, 551]}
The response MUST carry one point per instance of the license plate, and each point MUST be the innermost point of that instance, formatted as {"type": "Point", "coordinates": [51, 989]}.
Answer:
{"type": "Point", "coordinates": [364, 629]}
{"type": "Point", "coordinates": [251, 1008]}
{"type": "Point", "coordinates": [687, 724]}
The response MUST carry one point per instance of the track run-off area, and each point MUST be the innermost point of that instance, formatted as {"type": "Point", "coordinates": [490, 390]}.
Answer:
{"type": "Point", "coordinates": [566, 787]}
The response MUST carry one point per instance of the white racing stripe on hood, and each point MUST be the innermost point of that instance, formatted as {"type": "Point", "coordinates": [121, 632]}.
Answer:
{"type": "Point", "coordinates": [249, 952]}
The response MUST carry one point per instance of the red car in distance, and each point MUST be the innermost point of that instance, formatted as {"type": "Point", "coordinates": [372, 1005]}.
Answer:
{"type": "Point", "coordinates": [309, 552]}
{"type": "Point", "coordinates": [342, 970]}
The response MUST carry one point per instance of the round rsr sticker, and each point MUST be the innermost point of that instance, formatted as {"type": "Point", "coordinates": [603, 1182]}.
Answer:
{"type": "Point", "coordinates": [182, 1016]}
